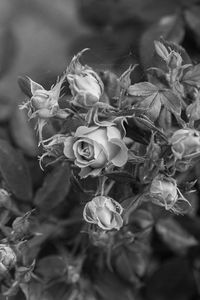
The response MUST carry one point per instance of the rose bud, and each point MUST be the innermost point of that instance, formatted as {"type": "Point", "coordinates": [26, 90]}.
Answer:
{"type": "Point", "coordinates": [185, 143]}
{"type": "Point", "coordinates": [93, 148]}
{"type": "Point", "coordinates": [43, 102]}
{"type": "Point", "coordinates": [85, 84]}
{"type": "Point", "coordinates": [8, 258]}
{"type": "Point", "coordinates": [174, 60]}
{"type": "Point", "coordinates": [105, 212]}
{"type": "Point", "coordinates": [164, 192]}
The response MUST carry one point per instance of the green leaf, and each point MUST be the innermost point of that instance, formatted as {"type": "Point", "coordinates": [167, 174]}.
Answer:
{"type": "Point", "coordinates": [51, 267]}
{"type": "Point", "coordinates": [177, 238]}
{"type": "Point", "coordinates": [172, 280]}
{"type": "Point", "coordinates": [143, 89]}
{"type": "Point", "coordinates": [170, 101]}
{"type": "Point", "coordinates": [54, 189]}
{"type": "Point", "coordinates": [14, 171]}
{"type": "Point", "coordinates": [192, 76]}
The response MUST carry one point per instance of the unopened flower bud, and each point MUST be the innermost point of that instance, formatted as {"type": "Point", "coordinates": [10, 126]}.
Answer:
{"type": "Point", "coordinates": [105, 212]}
{"type": "Point", "coordinates": [85, 84]}
{"type": "Point", "coordinates": [174, 60]}
{"type": "Point", "coordinates": [86, 87]}
{"type": "Point", "coordinates": [185, 143]}
{"type": "Point", "coordinates": [164, 189]}
{"type": "Point", "coordinates": [164, 192]}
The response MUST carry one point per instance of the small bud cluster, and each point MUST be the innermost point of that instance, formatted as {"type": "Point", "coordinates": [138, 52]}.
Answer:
{"type": "Point", "coordinates": [108, 126]}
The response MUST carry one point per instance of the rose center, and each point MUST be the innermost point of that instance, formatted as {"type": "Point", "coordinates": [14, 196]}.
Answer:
{"type": "Point", "coordinates": [86, 150]}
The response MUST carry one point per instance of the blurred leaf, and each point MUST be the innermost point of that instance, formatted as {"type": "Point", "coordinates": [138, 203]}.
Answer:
{"type": "Point", "coordinates": [8, 49]}
{"type": "Point", "coordinates": [7, 108]}
{"type": "Point", "coordinates": [51, 267]}
{"type": "Point", "coordinates": [142, 219]}
{"type": "Point", "coordinates": [193, 21]}
{"type": "Point", "coordinates": [54, 189]}
{"type": "Point", "coordinates": [23, 134]}
{"type": "Point", "coordinates": [108, 286]}
{"type": "Point", "coordinates": [173, 280]}
{"type": "Point", "coordinates": [121, 176]}
{"type": "Point", "coordinates": [170, 28]}
{"type": "Point", "coordinates": [177, 238]}
{"type": "Point", "coordinates": [131, 263]}
{"type": "Point", "coordinates": [15, 172]}
{"type": "Point", "coordinates": [192, 76]}
{"type": "Point", "coordinates": [124, 266]}
{"type": "Point", "coordinates": [34, 291]}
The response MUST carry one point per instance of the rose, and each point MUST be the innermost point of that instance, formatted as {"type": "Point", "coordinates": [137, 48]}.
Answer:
{"type": "Point", "coordinates": [185, 143]}
{"type": "Point", "coordinates": [44, 103]}
{"type": "Point", "coordinates": [105, 212]}
{"type": "Point", "coordinates": [85, 84]}
{"type": "Point", "coordinates": [86, 87]}
{"type": "Point", "coordinates": [8, 258]}
{"type": "Point", "coordinates": [164, 192]}
{"type": "Point", "coordinates": [93, 148]}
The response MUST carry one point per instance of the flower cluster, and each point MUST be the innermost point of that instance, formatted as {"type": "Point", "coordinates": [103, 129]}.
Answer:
{"type": "Point", "coordinates": [110, 129]}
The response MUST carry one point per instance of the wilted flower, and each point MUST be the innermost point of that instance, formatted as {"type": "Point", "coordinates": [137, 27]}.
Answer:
{"type": "Point", "coordinates": [8, 258]}
{"type": "Point", "coordinates": [85, 84]}
{"type": "Point", "coordinates": [105, 212]}
{"type": "Point", "coordinates": [185, 143]}
{"type": "Point", "coordinates": [164, 192]}
{"type": "Point", "coordinates": [92, 148]}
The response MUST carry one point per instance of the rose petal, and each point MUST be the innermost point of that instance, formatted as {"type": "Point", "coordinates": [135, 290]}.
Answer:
{"type": "Point", "coordinates": [118, 222]}
{"type": "Point", "coordinates": [113, 133]}
{"type": "Point", "coordinates": [121, 157]}
{"type": "Point", "coordinates": [82, 131]}
{"type": "Point", "coordinates": [68, 147]}
{"type": "Point", "coordinates": [88, 212]}
{"type": "Point", "coordinates": [81, 161]}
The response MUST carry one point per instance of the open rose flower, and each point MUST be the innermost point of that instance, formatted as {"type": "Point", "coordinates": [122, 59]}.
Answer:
{"type": "Point", "coordinates": [105, 212]}
{"type": "Point", "coordinates": [85, 84]}
{"type": "Point", "coordinates": [93, 148]}
{"type": "Point", "coordinates": [185, 143]}
{"type": "Point", "coordinates": [164, 192]}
